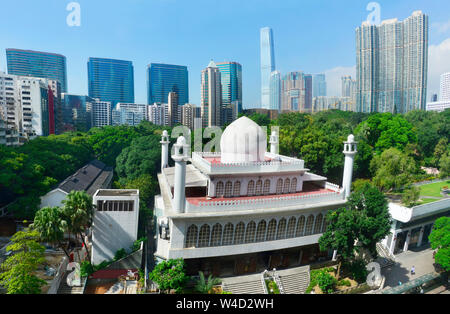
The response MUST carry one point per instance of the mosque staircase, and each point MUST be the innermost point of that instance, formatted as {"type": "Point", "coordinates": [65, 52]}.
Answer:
{"type": "Point", "coordinates": [251, 284]}
{"type": "Point", "coordinates": [295, 280]}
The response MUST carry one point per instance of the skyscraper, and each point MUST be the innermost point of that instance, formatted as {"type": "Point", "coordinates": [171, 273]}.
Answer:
{"type": "Point", "coordinates": [392, 65]}
{"type": "Point", "coordinates": [308, 78]}
{"type": "Point", "coordinates": [165, 78]}
{"type": "Point", "coordinates": [267, 65]}
{"type": "Point", "coordinates": [211, 96]}
{"type": "Point", "coordinates": [349, 89]}
{"type": "Point", "coordinates": [319, 85]}
{"type": "Point", "coordinates": [111, 80]}
{"type": "Point", "coordinates": [275, 91]}
{"type": "Point", "coordinates": [293, 92]}
{"type": "Point", "coordinates": [231, 79]}
{"type": "Point", "coordinates": [38, 64]}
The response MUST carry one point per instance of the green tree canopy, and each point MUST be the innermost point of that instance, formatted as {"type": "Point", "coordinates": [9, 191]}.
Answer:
{"type": "Point", "coordinates": [440, 240]}
{"type": "Point", "coordinates": [170, 275]}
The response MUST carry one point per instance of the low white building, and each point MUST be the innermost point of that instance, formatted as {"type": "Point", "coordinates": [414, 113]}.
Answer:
{"type": "Point", "coordinates": [115, 223]}
{"type": "Point", "coordinates": [411, 227]}
{"type": "Point", "coordinates": [91, 177]}
{"type": "Point", "coordinates": [245, 209]}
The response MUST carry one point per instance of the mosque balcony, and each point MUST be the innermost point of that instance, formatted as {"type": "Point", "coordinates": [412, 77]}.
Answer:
{"type": "Point", "coordinates": [210, 163]}
{"type": "Point", "coordinates": [327, 195]}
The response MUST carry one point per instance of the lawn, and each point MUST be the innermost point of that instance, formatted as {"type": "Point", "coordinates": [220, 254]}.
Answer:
{"type": "Point", "coordinates": [433, 189]}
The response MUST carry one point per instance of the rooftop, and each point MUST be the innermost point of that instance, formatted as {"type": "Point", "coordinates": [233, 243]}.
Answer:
{"type": "Point", "coordinates": [89, 178]}
{"type": "Point", "coordinates": [117, 192]}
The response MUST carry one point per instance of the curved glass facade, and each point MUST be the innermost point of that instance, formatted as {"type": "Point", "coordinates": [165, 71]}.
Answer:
{"type": "Point", "coordinates": [165, 78]}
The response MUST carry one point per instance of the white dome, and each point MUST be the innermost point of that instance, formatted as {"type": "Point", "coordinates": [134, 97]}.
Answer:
{"type": "Point", "coordinates": [351, 138]}
{"type": "Point", "coordinates": [243, 141]}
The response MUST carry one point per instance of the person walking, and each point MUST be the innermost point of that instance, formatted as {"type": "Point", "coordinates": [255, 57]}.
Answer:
{"type": "Point", "coordinates": [413, 270]}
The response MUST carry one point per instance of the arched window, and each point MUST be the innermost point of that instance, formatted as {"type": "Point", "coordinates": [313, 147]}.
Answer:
{"type": "Point", "coordinates": [250, 232]}
{"type": "Point", "coordinates": [239, 233]}
{"type": "Point", "coordinates": [280, 186]}
{"type": "Point", "coordinates": [325, 225]}
{"type": "Point", "coordinates": [259, 187]}
{"type": "Point", "coordinates": [228, 189]}
{"type": "Point", "coordinates": [271, 230]}
{"type": "Point", "coordinates": [251, 188]}
{"type": "Point", "coordinates": [237, 189]}
{"type": "Point", "coordinates": [219, 189]}
{"type": "Point", "coordinates": [294, 185]}
{"type": "Point", "coordinates": [266, 187]}
{"type": "Point", "coordinates": [228, 234]}
{"type": "Point", "coordinates": [281, 232]}
{"type": "Point", "coordinates": [287, 186]}
{"type": "Point", "coordinates": [216, 235]}
{"type": "Point", "coordinates": [203, 238]}
{"type": "Point", "coordinates": [318, 224]}
{"type": "Point", "coordinates": [191, 236]}
{"type": "Point", "coordinates": [309, 225]}
{"type": "Point", "coordinates": [261, 231]}
{"type": "Point", "coordinates": [300, 227]}
{"type": "Point", "coordinates": [291, 228]}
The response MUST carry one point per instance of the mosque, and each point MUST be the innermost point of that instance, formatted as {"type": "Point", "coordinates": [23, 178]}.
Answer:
{"type": "Point", "coordinates": [244, 209]}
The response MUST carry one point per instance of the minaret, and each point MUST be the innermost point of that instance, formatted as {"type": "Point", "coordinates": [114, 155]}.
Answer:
{"type": "Point", "coordinates": [180, 158]}
{"type": "Point", "coordinates": [274, 143]}
{"type": "Point", "coordinates": [164, 150]}
{"type": "Point", "coordinates": [349, 152]}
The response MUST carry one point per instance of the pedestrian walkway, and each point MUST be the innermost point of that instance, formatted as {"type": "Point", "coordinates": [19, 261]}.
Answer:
{"type": "Point", "coordinates": [421, 259]}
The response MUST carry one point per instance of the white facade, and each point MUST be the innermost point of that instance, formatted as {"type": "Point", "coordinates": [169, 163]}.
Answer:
{"type": "Point", "coordinates": [158, 114]}
{"type": "Point", "coordinates": [115, 223]}
{"type": "Point", "coordinates": [211, 96]}
{"type": "Point", "coordinates": [444, 98]}
{"type": "Point", "coordinates": [232, 206]}
{"type": "Point", "coordinates": [101, 113]}
{"type": "Point", "coordinates": [129, 114]}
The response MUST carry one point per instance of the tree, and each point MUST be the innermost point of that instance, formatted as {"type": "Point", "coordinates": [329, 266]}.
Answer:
{"type": "Point", "coordinates": [327, 283]}
{"type": "Point", "coordinates": [78, 212]}
{"type": "Point", "coordinates": [51, 227]}
{"type": "Point", "coordinates": [410, 196]}
{"type": "Point", "coordinates": [206, 286]}
{"type": "Point", "coordinates": [444, 166]}
{"type": "Point", "coordinates": [392, 170]}
{"type": "Point", "coordinates": [170, 275]}
{"type": "Point", "coordinates": [18, 270]}
{"type": "Point", "coordinates": [440, 240]}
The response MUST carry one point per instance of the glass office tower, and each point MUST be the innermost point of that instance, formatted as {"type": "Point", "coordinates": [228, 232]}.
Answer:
{"type": "Point", "coordinates": [319, 85]}
{"type": "Point", "coordinates": [267, 65]}
{"type": "Point", "coordinates": [275, 91]}
{"type": "Point", "coordinates": [111, 80]}
{"type": "Point", "coordinates": [231, 79]}
{"type": "Point", "coordinates": [38, 64]}
{"type": "Point", "coordinates": [165, 78]}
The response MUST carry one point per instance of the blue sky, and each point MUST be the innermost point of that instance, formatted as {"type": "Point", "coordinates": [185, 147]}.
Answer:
{"type": "Point", "coordinates": [311, 36]}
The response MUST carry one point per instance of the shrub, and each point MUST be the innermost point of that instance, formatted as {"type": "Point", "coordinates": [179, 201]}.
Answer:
{"type": "Point", "coordinates": [120, 254]}
{"type": "Point", "coordinates": [326, 282]}
{"type": "Point", "coordinates": [357, 270]}
{"type": "Point", "coordinates": [344, 282]}
{"type": "Point", "coordinates": [137, 244]}
{"type": "Point", "coordinates": [86, 269]}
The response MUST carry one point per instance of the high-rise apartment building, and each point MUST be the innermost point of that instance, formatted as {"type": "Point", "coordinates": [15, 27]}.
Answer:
{"type": "Point", "coordinates": [111, 80]}
{"type": "Point", "coordinates": [165, 78]}
{"type": "Point", "coordinates": [308, 78]}
{"type": "Point", "coordinates": [158, 114]}
{"type": "Point", "coordinates": [392, 65]}
{"type": "Point", "coordinates": [231, 79]}
{"type": "Point", "coordinates": [319, 85]}
{"type": "Point", "coordinates": [190, 116]}
{"type": "Point", "coordinates": [174, 109]}
{"type": "Point", "coordinates": [129, 114]}
{"type": "Point", "coordinates": [211, 96]}
{"type": "Point", "coordinates": [38, 64]}
{"type": "Point", "coordinates": [293, 92]}
{"type": "Point", "coordinates": [101, 113]}
{"type": "Point", "coordinates": [267, 64]}
{"type": "Point", "coordinates": [349, 90]}
{"type": "Point", "coordinates": [444, 98]}
{"type": "Point", "coordinates": [275, 91]}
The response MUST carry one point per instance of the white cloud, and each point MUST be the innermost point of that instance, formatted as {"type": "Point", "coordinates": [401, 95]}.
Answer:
{"type": "Point", "coordinates": [441, 27]}
{"type": "Point", "coordinates": [438, 63]}
{"type": "Point", "coordinates": [333, 77]}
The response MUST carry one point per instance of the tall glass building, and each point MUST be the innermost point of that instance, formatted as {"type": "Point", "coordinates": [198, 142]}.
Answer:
{"type": "Point", "coordinates": [76, 114]}
{"type": "Point", "coordinates": [267, 65]}
{"type": "Point", "coordinates": [392, 65]}
{"type": "Point", "coordinates": [165, 78]}
{"type": "Point", "coordinates": [111, 80]}
{"type": "Point", "coordinates": [319, 85]}
{"type": "Point", "coordinates": [231, 79]}
{"type": "Point", "coordinates": [275, 91]}
{"type": "Point", "coordinates": [38, 64]}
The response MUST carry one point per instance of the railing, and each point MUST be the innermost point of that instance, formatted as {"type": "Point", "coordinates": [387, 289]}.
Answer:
{"type": "Point", "coordinates": [263, 282]}
{"type": "Point", "coordinates": [58, 277]}
{"type": "Point", "coordinates": [278, 282]}
{"type": "Point", "coordinates": [275, 202]}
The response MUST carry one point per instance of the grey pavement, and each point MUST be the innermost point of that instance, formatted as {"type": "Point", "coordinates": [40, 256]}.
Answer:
{"type": "Point", "coordinates": [420, 258]}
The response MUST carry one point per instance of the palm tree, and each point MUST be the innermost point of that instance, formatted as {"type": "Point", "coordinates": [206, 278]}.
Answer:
{"type": "Point", "coordinates": [78, 210]}
{"type": "Point", "coordinates": [205, 287]}
{"type": "Point", "coordinates": [50, 225]}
